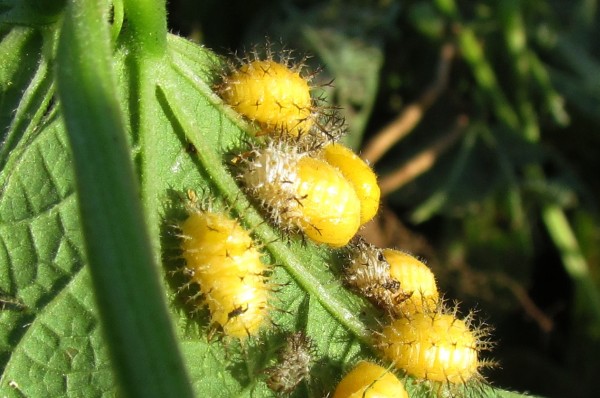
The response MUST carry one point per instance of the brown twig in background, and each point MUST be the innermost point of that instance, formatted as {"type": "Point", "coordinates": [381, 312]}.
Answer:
{"type": "Point", "coordinates": [545, 323]}
{"type": "Point", "coordinates": [478, 283]}
{"type": "Point", "coordinates": [422, 161]}
{"type": "Point", "coordinates": [412, 114]}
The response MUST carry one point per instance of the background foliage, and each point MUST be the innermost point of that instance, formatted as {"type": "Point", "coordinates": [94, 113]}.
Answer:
{"type": "Point", "coordinates": [488, 174]}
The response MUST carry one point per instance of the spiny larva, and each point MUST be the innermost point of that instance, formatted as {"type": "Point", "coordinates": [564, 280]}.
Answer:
{"type": "Point", "coordinates": [435, 346]}
{"type": "Point", "coordinates": [302, 193]}
{"type": "Point", "coordinates": [360, 175]}
{"type": "Point", "coordinates": [274, 92]}
{"type": "Point", "coordinates": [270, 93]}
{"type": "Point", "coordinates": [295, 361]}
{"type": "Point", "coordinates": [222, 259]}
{"type": "Point", "coordinates": [369, 380]}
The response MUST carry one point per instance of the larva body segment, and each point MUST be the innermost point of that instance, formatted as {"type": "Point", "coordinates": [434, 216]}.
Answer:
{"type": "Point", "coordinates": [391, 279]}
{"type": "Point", "coordinates": [360, 175]}
{"type": "Point", "coordinates": [369, 380]}
{"type": "Point", "coordinates": [329, 206]}
{"type": "Point", "coordinates": [416, 281]}
{"type": "Point", "coordinates": [436, 347]}
{"type": "Point", "coordinates": [302, 193]}
{"type": "Point", "coordinates": [222, 260]}
{"type": "Point", "coordinates": [271, 94]}
{"type": "Point", "coordinates": [238, 306]}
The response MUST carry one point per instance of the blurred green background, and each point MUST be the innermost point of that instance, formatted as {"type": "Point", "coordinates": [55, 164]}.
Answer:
{"type": "Point", "coordinates": [482, 119]}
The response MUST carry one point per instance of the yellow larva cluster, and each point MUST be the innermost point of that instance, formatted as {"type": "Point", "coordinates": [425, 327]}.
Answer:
{"type": "Point", "coordinates": [424, 338]}
{"type": "Point", "coordinates": [306, 182]}
{"type": "Point", "coordinates": [369, 380]}
{"type": "Point", "coordinates": [221, 258]}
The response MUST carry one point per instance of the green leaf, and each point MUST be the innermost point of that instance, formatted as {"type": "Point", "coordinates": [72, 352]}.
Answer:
{"type": "Point", "coordinates": [26, 86]}
{"type": "Point", "coordinates": [51, 337]}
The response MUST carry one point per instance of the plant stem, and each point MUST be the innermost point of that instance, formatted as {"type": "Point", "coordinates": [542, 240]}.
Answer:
{"type": "Point", "coordinates": [148, 23]}
{"type": "Point", "coordinates": [132, 309]}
